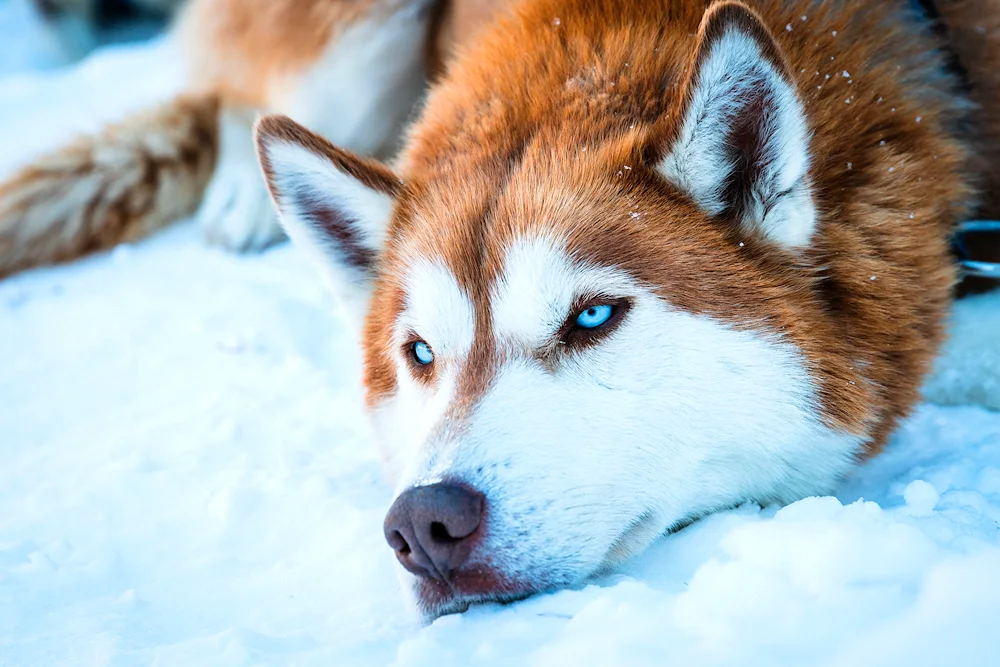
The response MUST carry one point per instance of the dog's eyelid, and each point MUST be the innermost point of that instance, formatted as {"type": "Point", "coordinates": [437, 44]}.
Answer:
{"type": "Point", "coordinates": [585, 301]}
{"type": "Point", "coordinates": [409, 336]}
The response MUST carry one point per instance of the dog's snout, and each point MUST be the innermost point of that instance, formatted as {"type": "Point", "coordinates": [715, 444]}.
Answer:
{"type": "Point", "coordinates": [432, 528]}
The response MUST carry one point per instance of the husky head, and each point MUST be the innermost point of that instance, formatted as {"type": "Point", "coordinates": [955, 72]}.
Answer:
{"type": "Point", "coordinates": [578, 335]}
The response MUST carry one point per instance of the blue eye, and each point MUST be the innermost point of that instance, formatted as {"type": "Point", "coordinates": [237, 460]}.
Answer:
{"type": "Point", "coordinates": [594, 316]}
{"type": "Point", "coordinates": [422, 353]}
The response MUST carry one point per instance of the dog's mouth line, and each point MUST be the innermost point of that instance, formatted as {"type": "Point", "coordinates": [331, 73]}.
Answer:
{"type": "Point", "coordinates": [645, 528]}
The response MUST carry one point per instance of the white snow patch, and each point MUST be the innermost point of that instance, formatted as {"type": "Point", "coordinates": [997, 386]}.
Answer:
{"type": "Point", "coordinates": [968, 370]}
{"type": "Point", "coordinates": [40, 112]}
{"type": "Point", "coordinates": [921, 497]}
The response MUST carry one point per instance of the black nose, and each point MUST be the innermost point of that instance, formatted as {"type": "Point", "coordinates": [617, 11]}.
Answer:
{"type": "Point", "coordinates": [432, 528]}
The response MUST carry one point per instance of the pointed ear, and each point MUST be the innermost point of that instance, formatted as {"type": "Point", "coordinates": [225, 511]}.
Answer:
{"type": "Point", "coordinates": [334, 205]}
{"type": "Point", "coordinates": [741, 150]}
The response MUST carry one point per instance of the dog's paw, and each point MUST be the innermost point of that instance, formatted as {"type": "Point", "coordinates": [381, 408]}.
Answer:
{"type": "Point", "coordinates": [236, 212]}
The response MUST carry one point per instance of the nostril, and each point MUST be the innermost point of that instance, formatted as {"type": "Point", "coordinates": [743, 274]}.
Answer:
{"type": "Point", "coordinates": [439, 533]}
{"type": "Point", "coordinates": [398, 542]}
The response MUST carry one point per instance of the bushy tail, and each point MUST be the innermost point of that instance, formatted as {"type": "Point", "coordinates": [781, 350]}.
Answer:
{"type": "Point", "coordinates": [116, 186]}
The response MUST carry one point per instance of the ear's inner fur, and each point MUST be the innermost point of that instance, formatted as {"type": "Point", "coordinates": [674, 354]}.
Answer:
{"type": "Point", "coordinates": [333, 204]}
{"type": "Point", "coordinates": [333, 224]}
{"type": "Point", "coordinates": [741, 151]}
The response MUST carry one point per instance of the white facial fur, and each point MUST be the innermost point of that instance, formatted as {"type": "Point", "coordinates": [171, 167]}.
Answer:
{"type": "Point", "coordinates": [672, 416]}
{"type": "Point", "coordinates": [779, 204]}
{"type": "Point", "coordinates": [440, 314]}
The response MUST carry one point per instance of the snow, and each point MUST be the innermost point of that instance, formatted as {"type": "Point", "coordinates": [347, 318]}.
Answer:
{"type": "Point", "coordinates": [28, 45]}
{"type": "Point", "coordinates": [41, 110]}
{"type": "Point", "coordinates": [187, 480]}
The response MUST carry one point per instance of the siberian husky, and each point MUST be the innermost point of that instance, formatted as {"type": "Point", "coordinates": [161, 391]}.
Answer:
{"type": "Point", "coordinates": [630, 262]}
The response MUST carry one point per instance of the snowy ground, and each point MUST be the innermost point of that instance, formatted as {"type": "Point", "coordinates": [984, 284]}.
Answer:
{"type": "Point", "coordinates": [186, 480]}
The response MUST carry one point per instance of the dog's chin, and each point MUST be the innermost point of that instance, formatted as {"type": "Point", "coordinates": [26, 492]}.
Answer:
{"type": "Point", "coordinates": [458, 604]}
{"type": "Point", "coordinates": [435, 598]}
